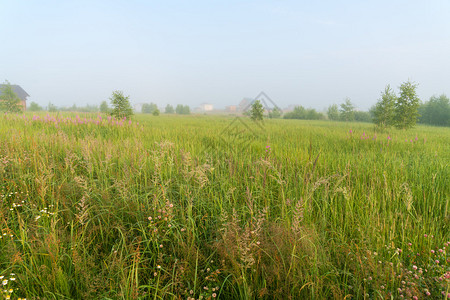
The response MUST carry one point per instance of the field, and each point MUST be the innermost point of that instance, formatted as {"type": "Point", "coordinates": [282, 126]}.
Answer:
{"type": "Point", "coordinates": [220, 207]}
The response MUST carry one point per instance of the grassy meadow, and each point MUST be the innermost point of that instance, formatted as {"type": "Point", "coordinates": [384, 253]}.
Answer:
{"type": "Point", "coordinates": [202, 207]}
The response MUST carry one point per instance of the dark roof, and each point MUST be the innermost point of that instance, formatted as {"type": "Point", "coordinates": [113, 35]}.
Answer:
{"type": "Point", "coordinates": [18, 90]}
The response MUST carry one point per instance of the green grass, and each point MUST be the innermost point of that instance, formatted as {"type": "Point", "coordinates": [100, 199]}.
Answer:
{"type": "Point", "coordinates": [198, 206]}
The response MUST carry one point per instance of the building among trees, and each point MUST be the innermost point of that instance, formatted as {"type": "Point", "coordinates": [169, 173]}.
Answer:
{"type": "Point", "coordinates": [19, 91]}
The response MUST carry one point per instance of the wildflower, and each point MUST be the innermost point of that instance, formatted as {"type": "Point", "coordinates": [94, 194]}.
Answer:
{"type": "Point", "coordinates": [214, 295]}
{"type": "Point", "coordinates": [414, 267]}
{"type": "Point", "coordinates": [428, 293]}
{"type": "Point", "coordinates": [425, 235]}
{"type": "Point", "coordinates": [5, 282]}
{"type": "Point", "coordinates": [160, 246]}
{"type": "Point", "coordinates": [432, 251]}
{"type": "Point", "coordinates": [436, 261]}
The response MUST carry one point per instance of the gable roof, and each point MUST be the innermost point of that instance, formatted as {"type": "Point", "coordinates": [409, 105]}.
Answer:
{"type": "Point", "coordinates": [18, 90]}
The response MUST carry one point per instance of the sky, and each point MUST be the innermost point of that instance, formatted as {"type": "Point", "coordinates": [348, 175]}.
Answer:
{"type": "Point", "coordinates": [309, 53]}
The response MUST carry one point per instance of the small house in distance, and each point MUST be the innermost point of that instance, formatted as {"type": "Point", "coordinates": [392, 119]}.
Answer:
{"type": "Point", "coordinates": [20, 92]}
{"type": "Point", "coordinates": [206, 107]}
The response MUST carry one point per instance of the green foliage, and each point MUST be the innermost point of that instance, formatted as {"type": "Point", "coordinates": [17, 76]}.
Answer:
{"type": "Point", "coordinates": [169, 109]}
{"type": "Point", "coordinates": [182, 109]}
{"type": "Point", "coordinates": [275, 113]}
{"type": "Point", "coordinates": [384, 110]}
{"type": "Point", "coordinates": [34, 107]}
{"type": "Point", "coordinates": [363, 116]}
{"type": "Point", "coordinates": [148, 108]}
{"type": "Point", "coordinates": [104, 108]}
{"type": "Point", "coordinates": [347, 111]}
{"type": "Point", "coordinates": [333, 112]}
{"type": "Point", "coordinates": [301, 113]}
{"type": "Point", "coordinates": [406, 106]}
{"type": "Point", "coordinates": [436, 111]}
{"type": "Point", "coordinates": [156, 112]}
{"type": "Point", "coordinates": [51, 107]}
{"type": "Point", "coordinates": [75, 108]}
{"type": "Point", "coordinates": [121, 107]}
{"type": "Point", "coordinates": [257, 111]}
{"type": "Point", "coordinates": [9, 101]}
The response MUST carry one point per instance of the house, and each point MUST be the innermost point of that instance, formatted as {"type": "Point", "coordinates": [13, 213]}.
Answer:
{"type": "Point", "coordinates": [206, 107]}
{"type": "Point", "coordinates": [245, 104]}
{"type": "Point", "coordinates": [20, 92]}
{"type": "Point", "coordinates": [231, 108]}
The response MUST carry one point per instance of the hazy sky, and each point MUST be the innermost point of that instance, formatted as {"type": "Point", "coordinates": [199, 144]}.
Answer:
{"type": "Point", "coordinates": [310, 53]}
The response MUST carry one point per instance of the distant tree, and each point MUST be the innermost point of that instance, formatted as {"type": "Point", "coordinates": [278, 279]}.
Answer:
{"type": "Point", "coordinates": [436, 111]}
{"type": "Point", "coordinates": [121, 106]}
{"type": "Point", "coordinates": [34, 107]}
{"type": "Point", "coordinates": [275, 113]}
{"type": "Point", "coordinates": [148, 108]}
{"type": "Point", "coordinates": [384, 111]}
{"type": "Point", "coordinates": [104, 107]}
{"type": "Point", "coordinates": [363, 116]}
{"type": "Point", "coordinates": [10, 102]}
{"type": "Point", "coordinates": [333, 112]}
{"type": "Point", "coordinates": [406, 106]}
{"type": "Point", "coordinates": [182, 109]}
{"type": "Point", "coordinates": [347, 110]}
{"type": "Point", "coordinates": [51, 107]}
{"type": "Point", "coordinates": [301, 113]}
{"type": "Point", "coordinates": [169, 109]}
{"type": "Point", "coordinates": [156, 112]}
{"type": "Point", "coordinates": [256, 111]}
{"type": "Point", "coordinates": [179, 109]}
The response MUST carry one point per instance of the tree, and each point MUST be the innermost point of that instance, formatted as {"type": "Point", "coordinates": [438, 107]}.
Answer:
{"type": "Point", "coordinates": [347, 110]}
{"type": "Point", "coordinates": [34, 107]}
{"type": "Point", "coordinates": [179, 109]}
{"type": "Point", "coordinates": [121, 107]}
{"type": "Point", "coordinates": [275, 113]}
{"type": "Point", "coordinates": [363, 116]}
{"type": "Point", "coordinates": [406, 106]}
{"type": "Point", "coordinates": [436, 111]}
{"type": "Point", "coordinates": [333, 112]}
{"type": "Point", "coordinates": [10, 102]}
{"type": "Point", "coordinates": [51, 107]}
{"type": "Point", "coordinates": [104, 107]}
{"type": "Point", "coordinates": [301, 113]}
{"type": "Point", "coordinates": [169, 109]}
{"type": "Point", "coordinates": [256, 111]}
{"type": "Point", "coordinates": [182, 109]}
{"type": "Point", "coordinates": [155, 112]}
{"type": "Point", "coordinates": [148, 108]}
{"type": "Point", "coordinates": [383, 112]}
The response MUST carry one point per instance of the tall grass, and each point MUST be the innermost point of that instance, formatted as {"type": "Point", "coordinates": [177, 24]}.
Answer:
{"type": "Point", "coordinates": [206, 207]}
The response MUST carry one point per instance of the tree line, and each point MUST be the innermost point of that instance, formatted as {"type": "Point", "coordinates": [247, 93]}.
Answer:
{"type": "Point", "coordinates": [402, 111]}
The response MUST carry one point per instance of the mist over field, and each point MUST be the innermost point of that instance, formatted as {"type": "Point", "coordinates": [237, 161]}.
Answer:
{"type": "Point", "coordinates": [224, 150]}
